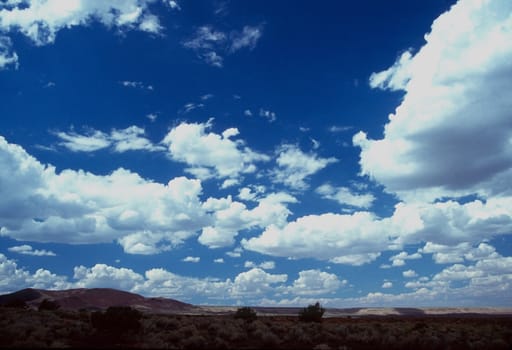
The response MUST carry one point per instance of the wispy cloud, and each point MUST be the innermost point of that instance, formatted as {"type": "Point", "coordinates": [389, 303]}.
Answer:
{"type": "Point", "coordinates": [136, 85]}
{"type": "Point", "coordinates": [28, 250]}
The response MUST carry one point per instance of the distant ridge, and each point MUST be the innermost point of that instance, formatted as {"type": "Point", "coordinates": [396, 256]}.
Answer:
{"type": "Point", "coordinates": [96, 299]}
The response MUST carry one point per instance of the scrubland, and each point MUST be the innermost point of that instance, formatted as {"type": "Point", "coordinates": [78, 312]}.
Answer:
{"type": "Point", "coordinates": [24, 328]}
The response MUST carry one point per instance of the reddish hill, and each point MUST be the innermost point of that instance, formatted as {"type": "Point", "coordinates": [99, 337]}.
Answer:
{"type": "Point", "coordinates": [96, 298]}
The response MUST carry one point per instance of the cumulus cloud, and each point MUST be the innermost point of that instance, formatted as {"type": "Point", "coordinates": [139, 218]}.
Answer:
{"type": "Point", "coordinates": [26, 249]}
{"type": "Point", "coordinates": [230, 217]}
{"type": "Point", "coordinates": [345, 196]}
{"type": "Point", "coordinates": [294, 166]}
{"type": "Point", "coordinates": [315, 282]}
{"type": "Point", "coordinates": [145, 217]}
{"type": "Point", "coordinates": [191, 259]}
{"type": "Point", "coordinates": [14, 278]}
{"type": "Point", "coordinates": [399, 259]}
{"type": "Point", "coordinates": [451, 134]}
{"type": "Point", "coordinates": [265, 265]}
{"type": "Point", "coordinates": [269, 115]}
{"type": "Point", "coordinates": [41, 20]}
{"type": "Point", "coordinates": [209, 154]}
{"type": "Point", "coordinates": [360, 237]}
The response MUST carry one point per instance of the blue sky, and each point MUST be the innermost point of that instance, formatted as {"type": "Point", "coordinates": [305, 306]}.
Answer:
{"type": "Point", "coordinates": [262, 153]}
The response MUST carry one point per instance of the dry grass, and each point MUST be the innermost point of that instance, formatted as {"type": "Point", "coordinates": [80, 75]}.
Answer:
{"type": "Point", "coordinates": [60, 328]}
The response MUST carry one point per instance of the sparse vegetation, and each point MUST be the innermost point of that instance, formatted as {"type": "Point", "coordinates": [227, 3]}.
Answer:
{"type": "Point", "coordinates": [246, 313]}
{"type": "Point", "coordinates": [47, 304]}
{"type": "Point", "coordinates": [29, 328]}
{"type": "Point", "coordinates": [312, 313]}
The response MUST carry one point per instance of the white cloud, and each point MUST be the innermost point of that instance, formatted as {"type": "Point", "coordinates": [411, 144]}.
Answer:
{"type": "Point", "coordinates": [315, 282]}
{"type": "Point", "coordinates": [295, 166]}
{"type": "Point", "coordinates": [248, 113]}
{"type": "Point", "coordinates": [387, 285]}
{"type": "Point", "coordinates": [192, 259]}
{"type": "Point", "coordinates": [345, 196]}
{"type": "Point", "coordinates": [136, 85]}
{"type": "Point", "coordinates": [271, 116]}
{"type": "Point", "coordinates": [189, 107]}
{"type": "Point", "coordinates": [248, 37]}
{"type": "Point", "coordinates": [450, 228]}
{"type": "Point", "coordinates": [451, 134]}
{"type": "Point", "coordinates": [41, 205]}
{"type": "Point", "coordinates": [122, 140]}
{"type": "Point", "coordinates": [399, 259]}
{"type": "Point", "coordinates": [14, 278]}
{"type": "Point", "coordinates": [40, 20]}
{"type": "Point", "coordinates": [7, 55]}
{"type": "Point", "coordinates": [219, 261]}
{"type": "Point", "coordinates": [26, 249]}
{"type": "Point", "coordinates": [104, 276]}
{"type": "Point", "coordinates": [152, 116]}
{"type": "Point", "coordinates": [265, 265]}
{"type": "Point", "coordinates": [409, 274]}
{"type": "Point", "coordinates": [209, 154]}
{"type": "Point", "coordinates": [337, 128]}
{"type": "Point", "coordinates": [93, 140]}
{"type": "Point", "coordinates": [211, 44]}
{"type": "Point", "coordinates": [347, 239]}
{"type": "Point", "coordinates": [255, 282]}
{"type": "Point", "coordinates": [230, 217]}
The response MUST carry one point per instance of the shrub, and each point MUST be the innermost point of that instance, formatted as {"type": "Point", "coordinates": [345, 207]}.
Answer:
{"type": "Point", "coordinates": [16, 303]}
{"type": "Point", "coordinates": [312, 313]}
{"type": "Point", "coordinates": [246, 313]}
{"type": "Point", "coordinates": [47, 304]}
{"type": "Point", "coordinates": [117, 318]}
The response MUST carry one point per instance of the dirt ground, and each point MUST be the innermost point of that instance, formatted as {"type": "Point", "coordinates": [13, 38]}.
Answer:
{"type": "Point", "coordinates": [60, 329]}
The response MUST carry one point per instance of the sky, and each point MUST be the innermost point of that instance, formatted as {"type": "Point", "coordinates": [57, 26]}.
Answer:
{"type": "Point", "coordinates": [259, 152]}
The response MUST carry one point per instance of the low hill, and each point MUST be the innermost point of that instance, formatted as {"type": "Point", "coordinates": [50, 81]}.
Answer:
{"type": "Point", "coordinates": [96, 299]}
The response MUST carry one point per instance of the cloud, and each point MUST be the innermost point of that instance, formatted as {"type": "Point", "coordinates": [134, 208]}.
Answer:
{"type": "Point", "coordinates": [211, 44]}
{"type": "Point", "coordinates": [145, 217]}
{"type": "Point", "coordinates": [255, 282]}
{"type": "Point", "coordinates": [450, 136]}
{"type": "Point", "coordinates": [247, 38]}
{"type": "Point", "coordinates": [315, 282]}
{"type": "Point", "coordinates": [14, 278]}
{"type": "Point", "coordinates": [295, 166]}
{"type": "Point", "coordinates": [337, 128]}
{"type": "Point", "coordinates": [93, 140]}
{"type": "Point", "coordinates": [219, 261]}
{"type": "Point", "coordinates": [104, 276]}
{"type": "Point", "coordinates": [271, 116]}
{"type": "Point", "coordinates": [265, 265]}
{"type": "Point", "coordinates": [122, 140]}
{"type": "Point", "coordinates": [26, 249]}
{"type": "Point", "coordinates": [399, 259]}
{"type": "Point", "coordinates": [231, 217]}
{"type": "Point", "coordinates": [347, 239]}
{"type": "Point", "coordinates": [7, 56]}
{"type": "Point", "coordinates": [209, 154]}
{"type": "Point", "coordinates": [345, 196]}
{"type": "Point", "coordinates": [189, 107]}
{"type": "Point", "coordinates": [409, 274]}
{"type": "Point", "coordinates": [387, 285]}
{"type": "Point", "coordinates": [191, 259]}
{"type": "Point", "coordinates": [41, 20]}
{"type": "Point", "coordinates": [248, 113]}
{"type": "Point", "coordinates": [357, 238]}
{"type": "Point", "coordinates": [136, 85]}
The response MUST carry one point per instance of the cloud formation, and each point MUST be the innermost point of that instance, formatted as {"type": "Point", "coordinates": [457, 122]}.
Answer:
{"type": "Point", "coordinates": [451, 134]}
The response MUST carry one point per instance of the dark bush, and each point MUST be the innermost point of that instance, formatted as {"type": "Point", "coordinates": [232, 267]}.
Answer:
{"type": "Point", "coordinates": [117, 319]}
{"type": "Point", "coordinates": [16, 303]}
{"type": "Point", "coordinates": [47, 304]}
{"type": "Point", "coordinates": [246, 313]}
{"type": "Point", "coordinates": [312, 313]}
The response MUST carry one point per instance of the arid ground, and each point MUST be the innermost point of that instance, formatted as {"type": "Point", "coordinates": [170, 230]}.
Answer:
{"type": "Point", "coordinates": [77, 318]}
